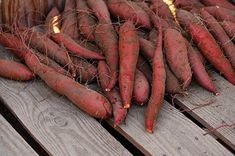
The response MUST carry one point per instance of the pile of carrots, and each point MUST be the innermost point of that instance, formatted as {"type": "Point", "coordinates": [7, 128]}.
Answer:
{"type": "Point", "coordinates": [136, 51]}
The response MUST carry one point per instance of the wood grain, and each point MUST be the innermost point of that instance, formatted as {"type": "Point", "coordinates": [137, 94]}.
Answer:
{"type": "Point", "coordinates": [11, 143]}
{"type": "Point", "coordinates": [215, 110]}
{"type": "Point", "coordinates": [174, 134]}
{"type": "Point", "coordinates": [59, 126]}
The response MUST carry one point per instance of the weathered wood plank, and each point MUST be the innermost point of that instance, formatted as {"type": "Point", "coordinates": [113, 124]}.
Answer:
{"type": "Point", "coordinates": [59, 126]}
{"type": "Point", "coordinates": [215, 110]}
{"type": "Point", "coordinates": [174, 134]}
{"type": "Point", "coordinates": [11, 143]}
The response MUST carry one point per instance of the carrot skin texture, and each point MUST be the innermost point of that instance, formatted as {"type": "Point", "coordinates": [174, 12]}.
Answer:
{"type": "Point", "coordinates": [210, 49]}
{"type": "Point", "coordinates": [141, 88]}
{"type": "Point", "coordinates": [86, 23]}
{"type": "Point", "coordinates": [69, 20]}
{"type": "Point", "coordinates": [172, 83]}
{"type": "Point", "coordinates": [220, 14]}
{"type": "Point", "coordinates": [214, 9]}
{"type": "Point", "coordinates": [188, 4]}
{"type": "Point", "coordinates": [146, 48]}
{"type": "Point", "coordinates": [144, 67]}
{"type": "Point", "coordinates": [128, 10]}
{"type": "Point", "coordinates": [107, 40]}
{"type": "Point", "coordinates": [185, 17]}
{"type": "Point", "coordinates": [45, 45]}
{"type": "Point", "coordinates": [88, 100]}
{"type": "Point", "coordinates": [114, 97]}
{"type": "Point", "coordinates": [51, 63]}
{"type": "Point", "coordinates": [15, 71]}
{"type": "Point", "coordinates": [160, 7]}
{"type": "Point", "coordinates": [101, 10]}
{"type": "Point", "coordinates": [220, 35]}
{"type": "Point", "coordinates": [222, 3]}
{"type": "Point", "coordinates": [86, 72]}
{"type": "Point", "coordinates": [177, 57]}
{"type": "Point", "coordinates": [229, 27]}
{"type": "Point", "coordinates": [128, 56]}
{"type": "Point", "coordinates": [199, 70]}
{"type": "Point", "coordinates": [158, 82]}
{"type": "Point", "coordinates": [75, 48]}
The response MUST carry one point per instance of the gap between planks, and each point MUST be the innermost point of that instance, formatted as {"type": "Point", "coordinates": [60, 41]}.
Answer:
{"type": "Point", "coordinates": [220, 111]}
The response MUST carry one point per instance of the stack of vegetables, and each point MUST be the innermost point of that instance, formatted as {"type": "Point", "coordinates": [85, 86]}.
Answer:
{"type": "Point", "coordinates": [136, 51]}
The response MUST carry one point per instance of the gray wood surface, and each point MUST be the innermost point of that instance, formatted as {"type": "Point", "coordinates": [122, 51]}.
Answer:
{"type": "Point", "coordinates": [11, 143]}
{"type": "Point", "coordinates": [215, 111]}
{"type": "Point", "coordinates": [174, 135]}
{"type": "Point", "coordinates": [59, 126]}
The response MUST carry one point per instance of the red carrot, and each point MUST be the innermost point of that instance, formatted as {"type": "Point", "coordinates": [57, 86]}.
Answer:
{"type": "Point", "coordinates": [147, 48]}
{"type": "Point", "coordinates": [177, 57]}
{"type": "Point", "coordinates": [141, 88]}
{"type": "Point", "coordinates": [211, 51]}
{"type": "Point", "coordinates": [45, 45]}
{"type": "Point", "coordinates": [185, 17]}
{"type": "Point", "coordinates": [172, 83]}
{"type": "Point", "coordinates": [107, 40]}
{"type": "Point", "coordinates": [144, 66]}
{"type": "Point", "coordinates": [51, 63]}
{"type": "Point", "coordinates": [128, 10]}
{"type": "Point", "coordinates": [220, 35]}
{"type": "Point", "coordinates": [220, 14]}
{"type": "Point", "coordinates": [188, 4]}
{"type": "Point", "coordinates": [69, 20]}
{"type": "Point", "coordinates": [86, 72]}
{"type": "Point", "coordinates": [160, 7]}
{"type": "Point", "coordinates": [87, 100]}
{"type": "Point", "coordinates": [198, 68]}
{"type": "Point", "coordinates": [229, 27]}
{"type": "Point", "coordinates": [15, 71]}
{"type": "Point", "coordinates": [158, 82]}
{"type": "Point", "coordinates": [86, 23]}
{"type": "Point", "coordinates": [114, 97]}
{"type": "Point", "coordinates": [75, 48]}
{"type": "Point", "coordinates": [222, 3]}
{"type": "Point", "coordinates": [129, 52]}
{"type": "Point", "coordinates": [101, 10]}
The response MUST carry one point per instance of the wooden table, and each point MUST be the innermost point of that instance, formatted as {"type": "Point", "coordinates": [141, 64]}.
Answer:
{"type": "Point", "coordinates": [41, 122]}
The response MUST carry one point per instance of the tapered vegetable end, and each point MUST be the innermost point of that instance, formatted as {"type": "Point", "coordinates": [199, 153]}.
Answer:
{"type": "Point", "coordinates": [149, 130]}
{"type": "Point", "coordinates": [112, 81]}
{"type": "Point", "coordinates": [126, 105]}
{"type": "Point", "coordinates": [149, 124]}
{"type": "Point", "coordinates": [119, 117]}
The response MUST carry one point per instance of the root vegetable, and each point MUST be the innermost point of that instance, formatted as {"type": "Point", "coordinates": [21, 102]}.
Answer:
{"type": "Point", "coordinates": [211, 50]}
{"type": "Point", "coordinates": [177, 56]}
{"type": "Point", "coordinates": [15, 71]}
{"type": "Point", "coordinates": [107, 40]}
{"type": "Point", "coordinates": [129, 52]}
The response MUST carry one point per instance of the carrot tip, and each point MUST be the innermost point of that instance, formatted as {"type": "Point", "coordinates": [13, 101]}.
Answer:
{"type": "Point", "coordinates": [149, 130]}
{"type": "Point", "coordinates": [126, 106]}
{"type": "Point", "coordinates": [216, 94]}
